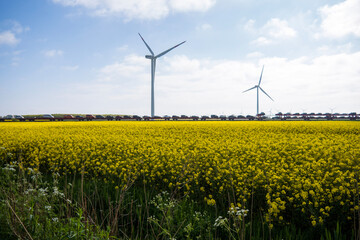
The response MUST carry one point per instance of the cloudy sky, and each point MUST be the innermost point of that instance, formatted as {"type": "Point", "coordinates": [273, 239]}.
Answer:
{"type": "Point", "coordinates": [85, 56]}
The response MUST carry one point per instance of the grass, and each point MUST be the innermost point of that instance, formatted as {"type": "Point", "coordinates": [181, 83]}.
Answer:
{"type": "Point", "coordinates": [36, 206]}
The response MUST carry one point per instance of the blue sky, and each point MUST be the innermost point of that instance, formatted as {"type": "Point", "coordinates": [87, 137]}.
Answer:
{"type": "Point", "coordinates": [85, 56]}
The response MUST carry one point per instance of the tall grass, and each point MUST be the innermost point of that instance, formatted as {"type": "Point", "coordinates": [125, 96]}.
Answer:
{"type": "Point", "coordinates": [37, 206]}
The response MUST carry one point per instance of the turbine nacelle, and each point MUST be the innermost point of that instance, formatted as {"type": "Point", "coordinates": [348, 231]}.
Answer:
{"type": "Point", "coordinates": [149, 56]}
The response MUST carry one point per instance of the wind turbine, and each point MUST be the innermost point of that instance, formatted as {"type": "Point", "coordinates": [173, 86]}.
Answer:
{"type": "Point", "coordinates": [257, 89]}
{"type": "Point", "coordinates": [153, 58]}
{"type": "Point", "coordinates": [270, 112]}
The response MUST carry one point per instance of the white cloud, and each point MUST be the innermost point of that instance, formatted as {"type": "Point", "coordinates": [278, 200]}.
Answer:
{"type": "Point", "coordinates": [185, 85]}
{"type": "Point", "coordinates": [139, 9]}
{"type": "Point", "coordinates": [53, 53]}
{"type": "Point", "coordinates": [204, 27]}
{"type": "Point", "coordinates": [132, 65]}
{"type": "Point", "coordinates": [278, 29]}
{"type": "Point", "coordinates": [249, 25]}
{"type": "Point", "coordinates": [17, 27]}
{"type": "Point", "coordinates": [341, 19]}
{"type": "Point", "coordinates": [8, 38]}
{"type": "Point", "coordinates": [191, 5]}
{"type": "Point", "coordinates": [122, 48]}
{"type": "Point", "coordinates": [254, 55]}
{"type": "Point", "coordinates": [85, 3]}
{"type": "Point", "coordinates": [274, 30]}
{"type": "Point", "coordinates": [262, 41]}
{"type": "Point", "coordinates": [345, 48]}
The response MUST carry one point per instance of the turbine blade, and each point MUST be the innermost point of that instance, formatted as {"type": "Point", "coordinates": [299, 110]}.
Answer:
{"type": "Point", "coordinates": [152, 53]}
{"type": "Point", "coordinates": [249, 89]}
{"type": "Point", "coordinates": [265, 93]}
{"type": "Point", "coordinates": [165, 52]}
{"type": "Point", "coordinates": [261, 75]}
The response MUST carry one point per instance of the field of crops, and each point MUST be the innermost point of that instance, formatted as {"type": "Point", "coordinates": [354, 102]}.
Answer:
{"type": "Point", "coordinates": [307, 169]}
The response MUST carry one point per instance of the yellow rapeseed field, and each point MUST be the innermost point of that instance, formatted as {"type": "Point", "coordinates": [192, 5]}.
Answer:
{"type": "Point", "coordinates": [310, 167]}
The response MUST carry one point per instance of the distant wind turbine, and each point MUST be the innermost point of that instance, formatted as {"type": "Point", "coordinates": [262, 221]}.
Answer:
{"type": "Point", "coordinates": [257, 89]}
{"type": "Point", "coordinates": [270, 112]}
{"type": "Point", "coordinates": [153, 58]}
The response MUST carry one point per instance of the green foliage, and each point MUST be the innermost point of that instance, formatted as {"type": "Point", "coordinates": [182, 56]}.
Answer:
{"type": "Point", "coordinates": [173, 218]}
{"type": "Point", "coordinates": [37, 206]}
{"type": "Point", "coordinates": [32, 208]}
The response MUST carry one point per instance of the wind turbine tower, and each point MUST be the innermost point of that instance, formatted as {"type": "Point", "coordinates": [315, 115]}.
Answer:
{"type": "Point", "coordinates": [153, 58]}
{"type": "Point", "coordinates": [257, 90]}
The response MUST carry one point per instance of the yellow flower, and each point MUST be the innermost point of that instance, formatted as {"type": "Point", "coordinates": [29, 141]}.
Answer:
{"type": "Point", "coordinates": [307, 166]}
{"type": "Point", "coordinates": [211, 202]}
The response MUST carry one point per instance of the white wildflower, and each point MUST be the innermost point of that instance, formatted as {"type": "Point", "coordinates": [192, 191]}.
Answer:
{"type": "Point", "coordinates": [58, 193]}
{"type": "Point", "coordinates": [43, 191]}
{"type": "Point", "coordinates": [220, 221]}
{"type": "Point", "coordinates": [29, 190]}
{"type": "Point", "coordinates": [238, 212]}
{"type": "Point", "coordinates": [9, 169]}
